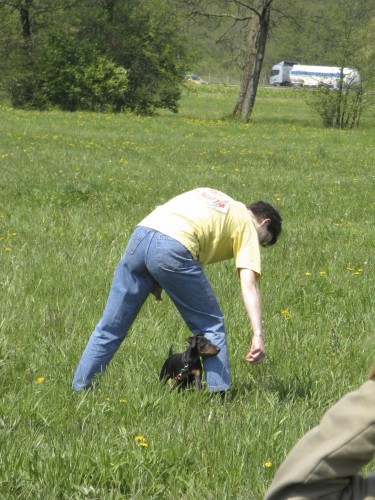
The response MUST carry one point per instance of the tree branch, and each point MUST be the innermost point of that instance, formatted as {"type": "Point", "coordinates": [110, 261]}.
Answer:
{"type": "Point", "coordinates": [228, 16]}
{"type": "Point", "coordinates": [266, 6]}
{"type": "Point", "coordinates": [237, 2]}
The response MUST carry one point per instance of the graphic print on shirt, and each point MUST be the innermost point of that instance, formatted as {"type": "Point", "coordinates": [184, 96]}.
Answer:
{"type": "Point", "coordinates": [215, 199]}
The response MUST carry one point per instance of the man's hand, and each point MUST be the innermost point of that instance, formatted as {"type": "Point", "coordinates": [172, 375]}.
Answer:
{"type": "Point", "coordinates": [257, 351]}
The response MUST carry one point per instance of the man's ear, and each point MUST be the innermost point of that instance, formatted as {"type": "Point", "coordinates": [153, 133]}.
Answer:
{"type": "Point", "coordinates": [266, 222]}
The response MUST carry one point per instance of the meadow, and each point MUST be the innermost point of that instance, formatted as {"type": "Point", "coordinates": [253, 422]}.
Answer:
{"type": "Point", "coordinates": [73, 187]}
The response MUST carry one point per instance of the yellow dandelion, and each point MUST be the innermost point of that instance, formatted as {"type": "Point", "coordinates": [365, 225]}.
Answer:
{"type": "Point", "coordinates": [108, 399]}
{"type": "Point", "coordinates": [123, 400]}
{"type": "Point", "coordinates": [322, 273]}
{"type": "Point", "coordinates": [40, 380]}
{"type": "Point", "coordinates": [141, 441]}
{"type": "Point", "coordinates": [268, 464]}
{"type": "Point", "coordinates": [8, 249]}
{"type": "Point", "coordinates": [308, 273]}
{"type": "Point", "coordinates": [350, 269]}
{"type": "Point", "coordinates": [286, 314]}
{"type": "Point", "coordinates": [140, 438]}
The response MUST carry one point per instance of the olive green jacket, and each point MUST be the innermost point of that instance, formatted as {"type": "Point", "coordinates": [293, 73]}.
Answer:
{"type": "Point", "coordinates": [325, 463]}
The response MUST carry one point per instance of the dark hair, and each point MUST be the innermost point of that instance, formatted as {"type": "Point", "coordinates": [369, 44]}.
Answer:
{"type": "Point", "coordinates": [267, 211]}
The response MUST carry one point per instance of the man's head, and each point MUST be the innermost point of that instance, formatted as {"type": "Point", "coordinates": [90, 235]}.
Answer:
{"type": "Point", "coordinates": [268, 222]}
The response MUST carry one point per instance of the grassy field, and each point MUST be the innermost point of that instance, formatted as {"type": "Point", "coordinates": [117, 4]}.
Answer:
{"type": "Point", "coordinates": [73, 186]}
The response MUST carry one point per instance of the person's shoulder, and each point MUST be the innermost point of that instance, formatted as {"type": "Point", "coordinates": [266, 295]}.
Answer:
{"type": "Point", "coordinates": [239, 210]}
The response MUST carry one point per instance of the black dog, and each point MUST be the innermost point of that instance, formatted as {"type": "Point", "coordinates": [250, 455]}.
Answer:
{"type": "Point", "coordinates": [186, 367]}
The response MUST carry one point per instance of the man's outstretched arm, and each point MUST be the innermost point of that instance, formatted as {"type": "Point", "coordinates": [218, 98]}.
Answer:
{"type": "Point", "coordinates": [253, 303]}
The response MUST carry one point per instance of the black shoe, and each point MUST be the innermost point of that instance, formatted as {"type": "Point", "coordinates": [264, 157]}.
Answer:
{"type": "Point", "coordinates": [220, 394]}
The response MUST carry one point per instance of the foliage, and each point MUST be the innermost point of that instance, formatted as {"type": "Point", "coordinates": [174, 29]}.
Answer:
{"type": "Point", "coordinates": [76, 76]}
{"type": "Point", "coordinates": [340, 108]}
{"type": "Point", "coordinates": [343, 109]}
{"type": "Point", "coordinates": [153, 52]}
{"type": "Point", "coordinates": [111, 37]}
{"type": "Point", "coordinates": [65, 73]}
{"type": "Point", "coordinates": [304, 32]}
{"type": "Point", "coordinates": [156, 43]}
{"type": "Point", "coordinates": [72, 189]}
{"type": "Point", "coordinates": [327, 33]}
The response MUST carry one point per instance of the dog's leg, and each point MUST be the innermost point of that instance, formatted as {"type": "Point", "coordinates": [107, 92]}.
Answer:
{"type": "Point", "coordinates": [198, 383]}
{"type": "Point", "coordinates": [164, 374]}
{"type": "Point", "coordinates": [197, 373]}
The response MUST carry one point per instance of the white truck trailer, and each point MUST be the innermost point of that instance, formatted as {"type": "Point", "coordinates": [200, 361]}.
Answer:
{"type": "Point", "coordinates": [323, 76]}
{"type": "Point", "coordinates": [300, 75]}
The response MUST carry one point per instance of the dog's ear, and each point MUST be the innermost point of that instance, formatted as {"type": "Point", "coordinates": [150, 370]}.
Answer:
{"type": "Point", "coordinates": [192, 341]}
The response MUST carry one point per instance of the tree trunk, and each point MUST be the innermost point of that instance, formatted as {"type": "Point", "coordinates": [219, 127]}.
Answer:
{"type": "Point", "coordinates": [253, 62]}
{"type": "Point", "coordinates": [25, 20]}
{"type": "Point", "coordinates": [109, 6]}
{"type": "Point", "coordinates": [26, 83]}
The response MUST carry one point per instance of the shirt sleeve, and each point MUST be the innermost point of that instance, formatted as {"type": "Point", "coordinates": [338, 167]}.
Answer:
{"type": "Point", "coordinates": [246, 251]}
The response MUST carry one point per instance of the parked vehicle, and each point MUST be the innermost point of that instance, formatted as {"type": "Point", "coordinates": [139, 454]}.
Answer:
{"type": "Point", "coordinates": [195, 79]}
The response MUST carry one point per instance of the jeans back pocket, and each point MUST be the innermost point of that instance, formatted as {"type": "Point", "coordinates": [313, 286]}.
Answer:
{"type": "Point", "coordinates": [138, 236]}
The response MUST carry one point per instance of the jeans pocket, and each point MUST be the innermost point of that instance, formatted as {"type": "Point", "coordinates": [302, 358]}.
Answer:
{"type": "Point", "coordinates": [139, 234]}
{"type": "Point", "coordinates": [172, 255]}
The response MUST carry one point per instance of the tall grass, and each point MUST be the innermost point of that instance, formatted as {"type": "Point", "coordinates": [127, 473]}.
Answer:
{"type": "Point", "coordinates": [73, 186]}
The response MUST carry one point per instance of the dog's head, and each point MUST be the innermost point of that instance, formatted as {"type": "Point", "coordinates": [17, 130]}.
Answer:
{"type": "Point", "coordinates": [204, 346]}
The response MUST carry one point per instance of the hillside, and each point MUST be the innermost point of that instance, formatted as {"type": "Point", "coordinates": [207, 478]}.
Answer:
{"type": "Point", "coordinates": [308, 33]}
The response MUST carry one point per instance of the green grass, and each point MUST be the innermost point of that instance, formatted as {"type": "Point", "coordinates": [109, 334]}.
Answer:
{"type": "Point", "coordinates": [73, 186]}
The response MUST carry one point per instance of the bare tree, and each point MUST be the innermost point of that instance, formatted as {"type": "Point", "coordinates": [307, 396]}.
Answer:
{"type": "Point", "coordinates": [256, 17]}
{"type": "Point", "coordinates": [253, 62]}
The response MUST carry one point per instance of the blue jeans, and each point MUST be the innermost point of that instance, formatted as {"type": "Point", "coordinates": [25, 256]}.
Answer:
{"type": "Point", "coordinates": [152, 257]}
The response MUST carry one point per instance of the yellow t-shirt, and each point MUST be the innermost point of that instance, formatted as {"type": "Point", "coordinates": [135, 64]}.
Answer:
{"type": "Point", "coordinates": [211, 225]}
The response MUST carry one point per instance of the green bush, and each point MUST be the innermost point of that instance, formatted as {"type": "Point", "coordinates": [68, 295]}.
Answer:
{"type": "Point", "coordinates": [338, 108]}
{"type": "Point", "coordinates": [69, 75]}
{"type": "Point", "coordinates": [106, 86]}
{"type": "Point", "coordinates": [155, 55]}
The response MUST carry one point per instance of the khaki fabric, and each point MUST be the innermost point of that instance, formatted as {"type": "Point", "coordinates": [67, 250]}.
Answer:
{"type": "Point", "coordinates": [326, 462]}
